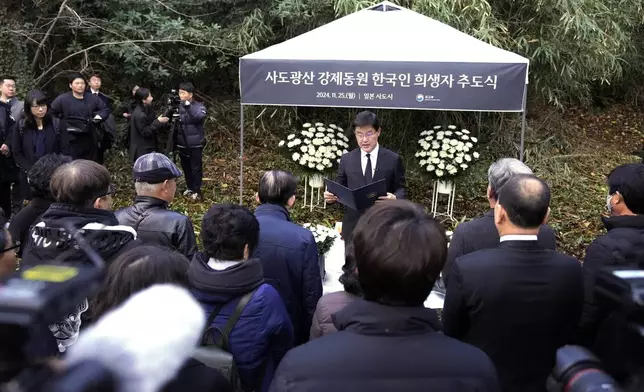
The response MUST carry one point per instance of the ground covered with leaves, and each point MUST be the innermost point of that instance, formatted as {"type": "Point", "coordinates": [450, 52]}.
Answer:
{"type": "Point", "coordinates": [573, 151]}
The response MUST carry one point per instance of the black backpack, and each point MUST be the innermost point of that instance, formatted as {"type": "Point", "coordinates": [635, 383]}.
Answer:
{"type": "Point", "coordinates": [216, 354]}
{"type": "Point", "coordinates": [55, 122]}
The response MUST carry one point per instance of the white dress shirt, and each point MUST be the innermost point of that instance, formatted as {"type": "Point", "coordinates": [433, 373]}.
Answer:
{"type": "Point", "coordinates": [518, 237]}
{"type": "Point", "coordinates": [93, 91]}
{"type": "Point", "coordinates": [373, 157]}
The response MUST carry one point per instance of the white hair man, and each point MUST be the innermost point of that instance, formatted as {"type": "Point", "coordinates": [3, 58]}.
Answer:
{"type": "Point", "coordinates": [481, 233]}
{"type": "Point", "coordinates": [155, 184]}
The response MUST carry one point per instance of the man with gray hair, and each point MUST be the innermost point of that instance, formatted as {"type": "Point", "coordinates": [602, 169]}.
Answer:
{"type": "Point", "coordinates": [287, 251]}
{"type": "Point", "coordinates": [155, 184]}
{"type": "Point", "coordinates": [481, 233]}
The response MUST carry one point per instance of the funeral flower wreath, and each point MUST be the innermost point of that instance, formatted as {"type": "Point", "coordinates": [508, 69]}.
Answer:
{"type": "Point", "coordinates": [445, 153]}
{"type": "Point", "coordinates": [316, 147]}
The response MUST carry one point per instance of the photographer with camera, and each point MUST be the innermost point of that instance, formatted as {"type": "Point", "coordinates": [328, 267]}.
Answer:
{"type": "Point", "coordinates": [143, 125]}
{"type": "Point", "coordinates": [190, 140]}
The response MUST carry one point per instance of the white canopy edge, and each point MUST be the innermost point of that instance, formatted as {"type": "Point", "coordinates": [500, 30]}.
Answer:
{"type": "Point", "coordinates": [395, 35]}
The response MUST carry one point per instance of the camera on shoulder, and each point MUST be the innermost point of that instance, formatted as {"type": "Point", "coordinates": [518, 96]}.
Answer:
{"type": "Point", "coordinates": [617, 360]}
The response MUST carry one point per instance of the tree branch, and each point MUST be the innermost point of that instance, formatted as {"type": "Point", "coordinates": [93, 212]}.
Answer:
{"type": "Point", "coordinates": [182, 14]}
{"type": "Point", "coordinates": [135, 41]}
{"type": "Point", "coordinates": [42, 42]}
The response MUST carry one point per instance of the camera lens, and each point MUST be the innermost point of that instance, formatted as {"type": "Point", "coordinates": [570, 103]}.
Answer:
{"type": "Point", "coordinates": [591, 380]}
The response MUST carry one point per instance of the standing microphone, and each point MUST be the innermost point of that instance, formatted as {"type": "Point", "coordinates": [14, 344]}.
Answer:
{"type": "Point", "coordinates": [144, 342]}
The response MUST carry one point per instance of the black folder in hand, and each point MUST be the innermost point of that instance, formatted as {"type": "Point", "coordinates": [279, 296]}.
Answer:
{"type": "Point", "coordinates": [359, 198]}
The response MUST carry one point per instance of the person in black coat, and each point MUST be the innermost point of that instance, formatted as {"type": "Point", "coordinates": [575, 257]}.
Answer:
{"type": "Point", "coordinates": [389, 341]}
{"type": "Point", "coordinates": [518, 302]}
{"type": "Point", "coordinates": [36, 135]}
{"type": "Point", "coordinates": [288, 251]}
{"type": "Point", "coordinates": [622, 246]}
{"type": "Point", "coordinates": [107, 128]}
{"type": "Point", "coordinates": [382, 164]}
{"type": "Point", "coordinates": [481, 233]}
{"type": "Point", "coordinates": [82, 113]}
{"type": "Point", "coordinates": [191, 139]}
{"type": "Point", "coordinates": [125, 111]}
{"type": "Point", "coordinates": [39, 177]}
{"type": "Point", "coordinates": [143, 125]}
{"type": "Point", "coordinates": [10, 107]}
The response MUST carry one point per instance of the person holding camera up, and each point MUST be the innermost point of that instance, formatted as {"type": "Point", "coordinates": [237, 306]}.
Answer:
{"type": "Point", "coordinates": [190, 140]}
{"type": "Point", "coordinates": [143, 125]}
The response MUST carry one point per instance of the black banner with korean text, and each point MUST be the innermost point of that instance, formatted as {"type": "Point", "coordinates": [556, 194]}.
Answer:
{"type": "Point", "coordinates": [395, 85]}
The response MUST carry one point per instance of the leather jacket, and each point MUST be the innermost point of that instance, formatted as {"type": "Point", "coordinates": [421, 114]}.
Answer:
{"type": "Point", "coordinates": [156, 225]}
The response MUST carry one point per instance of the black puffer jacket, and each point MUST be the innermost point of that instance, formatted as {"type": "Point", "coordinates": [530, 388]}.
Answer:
{"type": "Point", "coordinates": [385, 348]}
{"type": "Point", "coordinates": [49, 239]}
{"type": "Point", "coordinates": [192, 118]}
{"type": "Point", "coordinates": [622, 246]}
{"type": "Point", "coordinates": [156, 225]}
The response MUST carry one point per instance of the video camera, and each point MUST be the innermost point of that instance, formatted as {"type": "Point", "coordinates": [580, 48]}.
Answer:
{"type": "Point", "coordinates": [620, 341]}
{"type": "Point", "coordinates": [173, 103]}
{"type": "Point", "coordinates": [31, 300]}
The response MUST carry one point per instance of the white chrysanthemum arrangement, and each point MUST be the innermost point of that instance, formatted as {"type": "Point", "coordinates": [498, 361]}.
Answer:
{"type": "Point", "coordinates": [317, 147]}
{"type": "Point", "coordinates": [324, 237]}
{"type": "Point", "coordinates": [446, 152]}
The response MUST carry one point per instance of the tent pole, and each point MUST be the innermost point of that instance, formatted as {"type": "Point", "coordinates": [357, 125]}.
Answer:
{"type": "Point", "coordinates": [241, 156]}
{"type": "Point", "coordinates": [522, 151]}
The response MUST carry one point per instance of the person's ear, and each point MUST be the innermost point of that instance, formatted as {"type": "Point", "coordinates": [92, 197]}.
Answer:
{"type": "Point", "coordinates": [97, 203]}
{"type": "Point", "coordinates": [246, 252]}
{"type": "Point", "coordinates": [619, 199]}
{"type": "Point", "coordinates": [291, 201]}
{"type": "Point", "coordinates": [499, 214]}
{"type": "Point", "coordinates": [545, 218]}
{"type": "Point", "coordinates": [257, 198]}
{"type": "Point", "coordinates": [489, 192]}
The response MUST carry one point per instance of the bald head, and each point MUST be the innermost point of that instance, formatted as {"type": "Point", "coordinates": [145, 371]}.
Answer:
{"type": "Point", "coordinates": [525, 199]}
{"type": "Point", "coordinates": [80, 183]}
{"type": "Point", "coordinates": [276, 187]}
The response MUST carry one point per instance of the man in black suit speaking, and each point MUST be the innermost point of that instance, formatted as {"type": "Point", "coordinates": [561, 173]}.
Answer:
{"type": "Point", "coordinates": [367, 164]}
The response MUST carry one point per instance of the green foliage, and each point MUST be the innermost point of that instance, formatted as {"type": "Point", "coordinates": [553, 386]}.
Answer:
{"type": "Point", "coordinates": [576, 47]}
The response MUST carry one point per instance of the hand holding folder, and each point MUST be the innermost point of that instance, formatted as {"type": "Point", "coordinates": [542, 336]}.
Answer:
{"type": "Point", "coordinates": [360, 198]}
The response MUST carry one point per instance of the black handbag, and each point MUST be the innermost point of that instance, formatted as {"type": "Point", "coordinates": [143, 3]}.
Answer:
{"type": "Point", "coordinates": [78, 125]}
{"type": "Point", "coordinates": [216, 353]}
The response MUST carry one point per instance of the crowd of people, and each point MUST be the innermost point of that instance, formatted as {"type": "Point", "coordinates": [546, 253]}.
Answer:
{"type": "Point", "coordinates": [511, 299]}
{"type": "Point", "coordinates": [82, 124]}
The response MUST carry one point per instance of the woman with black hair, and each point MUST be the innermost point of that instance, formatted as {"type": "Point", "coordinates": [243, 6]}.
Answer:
{"type": "Point", "coordinates": [36, 135]}
{"type": "Point", "coordinates": [137, 270]}
{"type": "Point", "coordinates": [39, 177]}
{"type": "Point", "coordinates": [143, 125]}
{"type": "Point", "coordinates": [334, 302]}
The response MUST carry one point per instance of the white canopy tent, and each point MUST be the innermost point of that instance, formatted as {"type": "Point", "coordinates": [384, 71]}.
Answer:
{"type": "Point", "coordinates": [389, 57]}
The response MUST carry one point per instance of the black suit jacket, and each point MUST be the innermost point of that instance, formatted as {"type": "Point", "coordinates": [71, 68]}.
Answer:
{"type": "Point", "coordinates": [519, 303]}
{"type": "Point", "coordinates": [106, 100]}
{"type": "Point", "coordinates": [481, 233]}
{"type": "Point", "coordinates": [388, 166]}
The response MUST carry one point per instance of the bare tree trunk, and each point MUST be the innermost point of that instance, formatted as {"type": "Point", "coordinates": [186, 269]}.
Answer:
{"type": "Point", "coordinates": [44, 39]}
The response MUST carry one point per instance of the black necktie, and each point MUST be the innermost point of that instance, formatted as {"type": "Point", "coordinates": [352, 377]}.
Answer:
{"type": "Point", "coordinates": [368, 172]}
